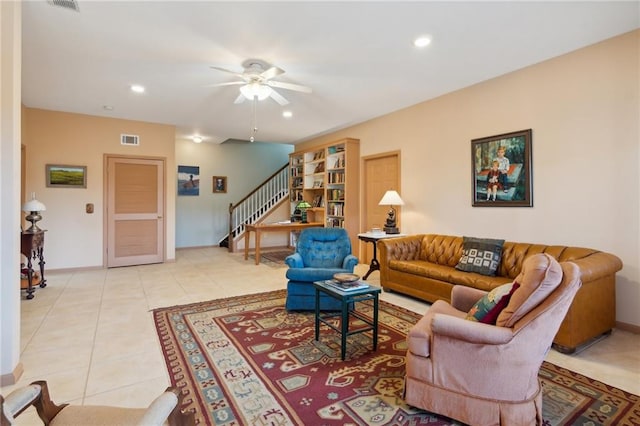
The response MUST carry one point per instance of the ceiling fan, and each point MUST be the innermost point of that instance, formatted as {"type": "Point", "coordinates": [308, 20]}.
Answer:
{"type": "Point", "coordinates": [256, 82]}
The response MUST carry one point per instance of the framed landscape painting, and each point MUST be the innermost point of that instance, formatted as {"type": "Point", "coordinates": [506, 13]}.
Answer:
{"type": "Point", "coordinates": [501, 170]}
{"type": "Point", "coordinates": [62, 176]}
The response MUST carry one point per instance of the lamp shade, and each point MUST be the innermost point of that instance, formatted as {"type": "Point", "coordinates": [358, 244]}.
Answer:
{"type": "Point", "coordinates": [33, 205]}
{"type": "Point", "coordinates": [258, 90]}
{"type": "Point", "coordinates": [391, 198]}
{"type": "Point", "coordinates": [303, 206]}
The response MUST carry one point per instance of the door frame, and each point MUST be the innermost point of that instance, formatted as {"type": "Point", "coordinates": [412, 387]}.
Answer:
{"type": "Point", "coordinates": [363, 189]}
{"type": "Point", "coordinates": [105, 201]}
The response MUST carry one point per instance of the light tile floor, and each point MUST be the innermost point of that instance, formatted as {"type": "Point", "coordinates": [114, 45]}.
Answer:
{"type": "Point", "coordinates": [90, 334]}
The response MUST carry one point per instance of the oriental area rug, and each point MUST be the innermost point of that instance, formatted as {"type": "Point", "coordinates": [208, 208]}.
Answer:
{"type": "Point", "coordinates": [247, 361]}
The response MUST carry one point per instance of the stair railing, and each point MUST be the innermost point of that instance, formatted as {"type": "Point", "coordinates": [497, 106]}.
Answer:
{"type": "Point", "coordinates": [257, 203]}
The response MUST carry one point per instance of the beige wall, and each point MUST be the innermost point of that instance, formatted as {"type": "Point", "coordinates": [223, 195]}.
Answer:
{"type": "Point", "coordinates": [584, 110]}
{"type": "Point", "coordinates": [75, 238]}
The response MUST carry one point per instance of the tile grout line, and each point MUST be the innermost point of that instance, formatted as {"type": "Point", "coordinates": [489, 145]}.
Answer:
{"type": "Point", "coordinates": [44, 317]}
{"type": "Point", "coordinates": [95, 336]}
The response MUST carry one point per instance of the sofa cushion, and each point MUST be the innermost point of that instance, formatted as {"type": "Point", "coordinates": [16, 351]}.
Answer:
{"type": "Point", "coordinates": [481, 255]}
{"type": "Point", "coordinates": [540, 275]}
{"type": "Point", "coordinates": [446, 274]}
{"type": "Point", "coordinates": [486, 309]}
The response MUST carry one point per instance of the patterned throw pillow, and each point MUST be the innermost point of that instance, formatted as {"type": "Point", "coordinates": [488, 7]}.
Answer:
{"type": "Point", "coordinates": [487, 309]}
{"type": "Point", "coordinates": [481, 255]}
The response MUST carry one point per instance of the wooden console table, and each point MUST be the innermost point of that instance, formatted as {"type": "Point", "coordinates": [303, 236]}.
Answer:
{"type": "Point", "coordinates": [32, 247]}
{"type": "Point", "coordinates": [271, 227]}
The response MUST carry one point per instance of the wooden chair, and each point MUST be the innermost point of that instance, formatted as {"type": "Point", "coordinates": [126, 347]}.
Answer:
{"type": "Point", "coordinates": [165, 409]}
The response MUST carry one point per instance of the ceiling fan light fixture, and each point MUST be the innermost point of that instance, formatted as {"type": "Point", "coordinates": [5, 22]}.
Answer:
{"type": "Point", "coordinates": [252, 90]}
{"type": "Point", "coordinates": [137, 88]}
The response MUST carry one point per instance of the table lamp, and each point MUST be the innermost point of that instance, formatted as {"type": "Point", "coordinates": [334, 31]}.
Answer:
{"type": "Point", "coordinates": [303, 206]}
{"type": "Point", "coordinates": [391, 198]}
{"type": "Point", "coordinates": [34, 207]}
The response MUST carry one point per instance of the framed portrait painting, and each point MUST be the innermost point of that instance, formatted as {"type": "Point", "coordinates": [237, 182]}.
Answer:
{"type": "Point", "coordinates": [219, 184]}
{"type": "Point", "coordinates": [501, 170]}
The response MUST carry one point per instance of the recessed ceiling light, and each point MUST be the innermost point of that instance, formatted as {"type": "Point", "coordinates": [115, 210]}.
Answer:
{"type": "Point", "coordinates": [422, 41]}
{"type": "Point", "coordinates": [137, 88]}
{"type": "Point", "coordinates": [197, 139]}
{"type": "Point", "coordinates": [107, 107]}
{"type": "Point", "coordinates": [287, 114]}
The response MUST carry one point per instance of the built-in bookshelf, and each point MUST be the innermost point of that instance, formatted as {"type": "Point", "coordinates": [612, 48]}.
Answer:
{"type": "Point", "coordinates": [326, 177]}
{"type": "Point", "coordinates": [296, 177]}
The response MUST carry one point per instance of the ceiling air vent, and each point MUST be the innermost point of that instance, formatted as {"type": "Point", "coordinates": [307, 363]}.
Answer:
{"type": "Point", "coordinates": [232, 140]}
{"type": "Point", "coordinates": [67, 4]}
{"type": "Point", "coordinates": [129, 140]}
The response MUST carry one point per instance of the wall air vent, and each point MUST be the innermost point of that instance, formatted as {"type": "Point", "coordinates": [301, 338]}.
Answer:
{"type": "Point", "coordinates": [67, 4]}
{"type": "Point", "coordinates": [129, 140]}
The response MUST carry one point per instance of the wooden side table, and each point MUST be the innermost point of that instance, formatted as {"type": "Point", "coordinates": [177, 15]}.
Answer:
{"type": "Point", "coordinates": [32, 247]}
{"type": "Point", "coordinates": [373, 237]}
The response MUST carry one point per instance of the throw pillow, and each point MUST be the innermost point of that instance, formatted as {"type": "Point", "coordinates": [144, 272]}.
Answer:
{"type": "Point", "coordinates": [487, 309]}
{"type": "Point", "coordinates": [540, 275]}
{"type": "Point", "coordinates": [481, 255]}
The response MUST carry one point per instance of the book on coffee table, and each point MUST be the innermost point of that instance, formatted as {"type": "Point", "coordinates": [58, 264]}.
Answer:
{"type": "Point", "coordinates": [347, 286]}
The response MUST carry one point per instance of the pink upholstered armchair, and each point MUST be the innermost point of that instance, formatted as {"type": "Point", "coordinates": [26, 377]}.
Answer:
{"type": "Point", "coordinates": [483, 374]}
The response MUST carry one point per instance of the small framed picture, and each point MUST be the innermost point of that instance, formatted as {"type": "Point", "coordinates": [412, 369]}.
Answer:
{"type": "Point", "coordinates": [219, 184]}
{"type": "Point", "coordinates": [64, 176]}
{"type": "Point", "coordinates": [501, 170]}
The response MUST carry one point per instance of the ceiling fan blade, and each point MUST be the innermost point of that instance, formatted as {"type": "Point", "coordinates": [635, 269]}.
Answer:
{"type": "Point", "coordinates": [271, 72]}
{"type": "Point", "coordinates": [240, 99]}
{"type": "Point", "coordinates": [278, 98]}
{"type": "Point", "coordinates": [289, 86]}
{"type": "Point", "coordinates": [229, 71]}
{"type": "Point", "coordinates": [231, 83]}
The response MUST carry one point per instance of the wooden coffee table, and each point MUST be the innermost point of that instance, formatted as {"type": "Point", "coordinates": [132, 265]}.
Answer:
{"type": "Point", "coordinates": [348, 300]}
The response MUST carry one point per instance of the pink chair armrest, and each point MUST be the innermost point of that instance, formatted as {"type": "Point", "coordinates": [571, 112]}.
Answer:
{"type": "Point", "coordinates": [463, 297]}
{"type": "Point", "coordinates": [470, 331]}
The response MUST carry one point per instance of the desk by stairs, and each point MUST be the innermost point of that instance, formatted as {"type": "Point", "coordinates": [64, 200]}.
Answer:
{"type": "Point", "coordinates": [271, 227]}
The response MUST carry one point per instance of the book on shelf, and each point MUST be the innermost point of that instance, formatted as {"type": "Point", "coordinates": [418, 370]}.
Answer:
{"type": "Point", "coordinates": [350, 286]}
{"type": "Point", "coordinates": [333, 222]}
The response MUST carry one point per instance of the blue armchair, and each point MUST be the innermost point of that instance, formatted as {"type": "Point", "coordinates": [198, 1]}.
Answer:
{"type": "Point", "coordinates": [320, 253]}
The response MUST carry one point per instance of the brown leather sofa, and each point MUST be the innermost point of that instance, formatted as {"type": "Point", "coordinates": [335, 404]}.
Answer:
{"type": "Point", "coordinates": [423, 266]}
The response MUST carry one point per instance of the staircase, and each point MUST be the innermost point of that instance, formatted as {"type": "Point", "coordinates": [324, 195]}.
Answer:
{"type": "Point", "coordinates": [256, 205]}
